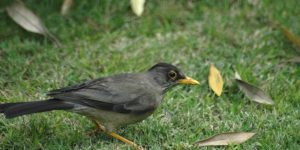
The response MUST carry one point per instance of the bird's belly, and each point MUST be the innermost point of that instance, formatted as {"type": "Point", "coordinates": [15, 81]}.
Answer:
{"type": "Point", "coordinates": [111, 120]}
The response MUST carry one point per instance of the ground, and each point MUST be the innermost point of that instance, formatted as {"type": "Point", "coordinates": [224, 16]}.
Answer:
{"type": "Point", "coordinates": [102, 38]}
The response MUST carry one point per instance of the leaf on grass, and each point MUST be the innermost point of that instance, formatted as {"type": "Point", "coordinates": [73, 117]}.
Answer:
{"type": "Point", "coordinates": [137, 6]}
{"type": "Point", "coordinates": [215, 80]}
{"type": "Point", "coordinates": [226, 139]}
{"type": "Point", "coordinates": [253, 92]}
{"type": "Point", "coordinates": [237, 76]}
{"type": "Point", "coordinates": [28, 20]}
{"type": "Point", "coordinates": [293, 60]}
{"type": "Point", "coordinates": [66, 7]}
{"type": "Point", "coordinates": [290, 36]}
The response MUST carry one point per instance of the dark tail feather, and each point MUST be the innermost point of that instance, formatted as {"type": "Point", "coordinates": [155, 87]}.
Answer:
{"type": "Point", "coordinates": [12, 110]}
{"type": "Point", "coordinates": [3, 107]}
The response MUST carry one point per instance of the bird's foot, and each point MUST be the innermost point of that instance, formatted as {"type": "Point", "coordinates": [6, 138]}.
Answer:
{"type": "Point", "coordinates": [98, 128]}
{"type": "Point", "coordinates": [134, 145]}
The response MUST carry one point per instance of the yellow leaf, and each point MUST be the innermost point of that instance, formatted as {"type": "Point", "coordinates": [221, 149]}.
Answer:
{"type": "Point", "coordinates": [215, 80]}
{"type": "Point", "coordinates": [137, 6]}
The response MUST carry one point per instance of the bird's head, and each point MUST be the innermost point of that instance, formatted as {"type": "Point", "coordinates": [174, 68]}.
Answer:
{"type": "Point", "coordinates": [167, 75]}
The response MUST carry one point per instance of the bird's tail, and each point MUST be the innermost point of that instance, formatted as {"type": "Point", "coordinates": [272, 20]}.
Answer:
{"type": "Point", "coordinates": [11, 110]}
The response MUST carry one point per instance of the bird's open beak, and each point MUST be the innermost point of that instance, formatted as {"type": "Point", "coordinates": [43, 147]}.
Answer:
{"type": "Point", "coordinates": [188, 80]}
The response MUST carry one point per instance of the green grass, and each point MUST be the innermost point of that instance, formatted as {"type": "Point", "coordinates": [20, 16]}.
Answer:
{"type": "Point", "coordinates": [103, 37]}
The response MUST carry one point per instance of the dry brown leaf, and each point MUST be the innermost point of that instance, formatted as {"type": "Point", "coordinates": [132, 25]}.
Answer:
{"type": "Point", "coordinates": [295, 59]}
{"type": "Point", "coordinates": [215, 80]}
{"type": "Point", "coordinates": [291, 37]}
{"type": "Point", "coordinates": [28, 20]}
{"type": "Point", "coordinates": [253, 93]}
{"type": "Point", "coordinates": [226, 139]}
{"type": "Point", "coordinates": [137, 6]}
{"type": "Point", "coordinates": [66, 6]}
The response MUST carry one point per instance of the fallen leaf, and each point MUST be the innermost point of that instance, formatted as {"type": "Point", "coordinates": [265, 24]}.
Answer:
{"type": "Point", "coordinates": [293, 60]}
{"type": "Point", "coordinates": [253, 92]}
{"type": "Point", "coordinates": [226, 139]}
{"type": "Point", "coordinates": [237, 76]}
{"type": "Point", "coordinates": [290, 36]}
{"type": "Point", "coordinates": [66, 7]}
{"type": "Point", "coordinates": [137, 6]}
{"type": "Point", "coordinates": [28, 20]}
{"type": "Point", "coordinates": [215, 80]}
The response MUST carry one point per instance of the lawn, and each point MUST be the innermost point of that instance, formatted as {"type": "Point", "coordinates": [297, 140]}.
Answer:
{"type": "Point", "coordinates": [104, 37]}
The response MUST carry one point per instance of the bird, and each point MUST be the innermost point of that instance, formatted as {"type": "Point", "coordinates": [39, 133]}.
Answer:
{"type": "Point", "coordinates": [110, 102]}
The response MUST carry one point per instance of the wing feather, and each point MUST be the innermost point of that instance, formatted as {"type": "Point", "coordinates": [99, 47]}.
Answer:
{"type": "Point", "coordinates": [123, 94]}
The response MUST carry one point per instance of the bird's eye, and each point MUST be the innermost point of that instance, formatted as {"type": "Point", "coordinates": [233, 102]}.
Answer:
{"type": "Point", "coordinates": [172, 74]}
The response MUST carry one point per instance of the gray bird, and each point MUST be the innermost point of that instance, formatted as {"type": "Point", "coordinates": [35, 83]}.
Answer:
{"type": "Point", "coordinates": [110, 102]}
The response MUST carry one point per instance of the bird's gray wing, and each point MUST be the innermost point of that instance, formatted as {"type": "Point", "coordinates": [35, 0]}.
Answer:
{"type": "Point", "coordinates": [74, 87]}
{"type": "Point", "coordinates": [119, 94]}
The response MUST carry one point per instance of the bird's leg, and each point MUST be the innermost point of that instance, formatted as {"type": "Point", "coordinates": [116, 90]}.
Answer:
{"type": "Point", "coordinates": [125, 140]}
{"type": "Point", "coordinates": [98, 128]}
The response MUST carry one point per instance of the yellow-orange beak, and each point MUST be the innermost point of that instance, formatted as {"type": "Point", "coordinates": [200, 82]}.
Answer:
{"type": "Point", "coordinates": [188, 80]}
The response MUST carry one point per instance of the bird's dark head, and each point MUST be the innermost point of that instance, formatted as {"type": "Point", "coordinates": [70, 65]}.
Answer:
{"type": "Point", "coordinates": [168, 75]}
